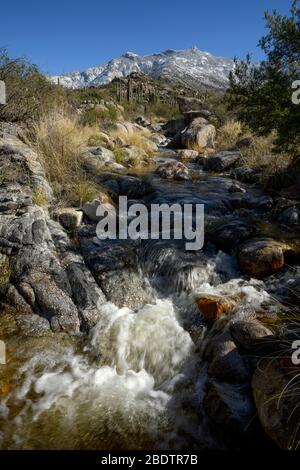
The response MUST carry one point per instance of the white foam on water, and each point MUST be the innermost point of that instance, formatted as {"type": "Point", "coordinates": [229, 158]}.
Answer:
{"type": "Point", "coordinates": [119, 399]}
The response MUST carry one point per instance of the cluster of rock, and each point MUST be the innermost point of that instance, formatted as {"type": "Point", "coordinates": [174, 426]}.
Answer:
{"type": "Point", "coordinates": [115, 153]}
{"type": "Point", "coordinates": [45, 280]}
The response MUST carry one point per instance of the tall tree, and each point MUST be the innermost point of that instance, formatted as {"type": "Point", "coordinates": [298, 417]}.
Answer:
{"type": "Point", "coordinates": [262, 93]}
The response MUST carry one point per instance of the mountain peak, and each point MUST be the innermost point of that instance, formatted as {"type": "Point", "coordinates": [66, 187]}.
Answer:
{"type": "Point", "coordinates": [130, 55]}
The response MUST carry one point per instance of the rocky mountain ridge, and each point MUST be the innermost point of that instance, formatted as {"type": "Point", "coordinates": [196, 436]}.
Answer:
{"type": "Point", "coordinates": [188, 67]}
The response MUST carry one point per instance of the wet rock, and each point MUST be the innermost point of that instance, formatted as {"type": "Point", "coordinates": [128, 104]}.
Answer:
{"type": "Point", "coordinates": [125, 288]}
{"type": "Point", "coordinates": [33, 325]}
{"type": "Point", "coordinates": [134, 188]}
{"type": "Point", "coordinates": [229, 366]}
{"type": "Point", "coordinates": [245, 333]}
{"type": "Point", "coordinates": [213, 307]}
{"type": "Point", "coordinates": [173, 170]}
{"type": "Point", "coordinates": [226, 235]}
{"type": "Point", "coordinates": [222, 161]}
{"type": "Point", "coordinates": [224, 361]}
{"type": "Point", "coordinates": [275, 384]}
{"type": "Point", "coordinates": [199, 134]}
{"type": "Point", "coordinates": [69, 218]}
{"type": "Point", "coordinates": [82, 287]}
{"type": "Point", "coordinates": [290, 217]}
{"type": "Point", "coordinates": [261, 257]}
{"type": "Point", "coordinates": [246, 175]}
{"type": "Point", "coordinates": [114, 266]}
{"type": "Point", "coordinates": [236, 188]}
{"type": "Point", "coordinates": [157, 127]}
{"type": "Point", "coordinates": [251, 201]}
{"type": "Point", "coordinates": [86, 294]}
{"type": "Point", "coordinates": [231, 410]}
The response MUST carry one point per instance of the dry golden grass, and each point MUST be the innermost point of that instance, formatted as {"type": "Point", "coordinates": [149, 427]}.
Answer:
{"type": "Point", "coordinates": [136, 137]}
{"type": "Point", "coordinates": [61, 142]}
{"type": "Point", "coordinates": [228, 135]}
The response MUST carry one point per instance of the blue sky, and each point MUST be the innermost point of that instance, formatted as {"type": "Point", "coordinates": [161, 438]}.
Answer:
{"type": "Point", "coordinates": [67, 35]}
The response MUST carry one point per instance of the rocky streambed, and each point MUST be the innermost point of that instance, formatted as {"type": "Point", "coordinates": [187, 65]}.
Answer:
{"type": "Point", "coordinates": [138, 344]}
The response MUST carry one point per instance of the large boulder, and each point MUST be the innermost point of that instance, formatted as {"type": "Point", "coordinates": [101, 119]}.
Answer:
{"type": "Point", "coordinates": [199, 134]}
{"type": "Point", "coordinates": [261, 257]}
{"type": "Point", "coordinates": [222, 161]}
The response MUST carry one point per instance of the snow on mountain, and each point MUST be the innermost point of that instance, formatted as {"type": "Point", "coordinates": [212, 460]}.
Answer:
{"type": "Point", "coordinates": [190, 67]}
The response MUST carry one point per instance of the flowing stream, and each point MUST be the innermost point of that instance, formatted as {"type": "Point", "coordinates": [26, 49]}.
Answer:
{"type": "Point", "coordinates": [136, 381]}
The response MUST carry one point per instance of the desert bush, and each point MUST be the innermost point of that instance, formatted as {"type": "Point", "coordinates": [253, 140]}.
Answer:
{"type": "Point", "coordinates": [160, 111]}
{"type": "Point", "coordinates": [101, 117]}
{"type": "Point", "coordinates": [28, 93]}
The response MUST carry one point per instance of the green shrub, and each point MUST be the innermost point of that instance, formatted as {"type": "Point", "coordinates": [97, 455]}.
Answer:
{"type": "Point", "coordinates": [28, 93]}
